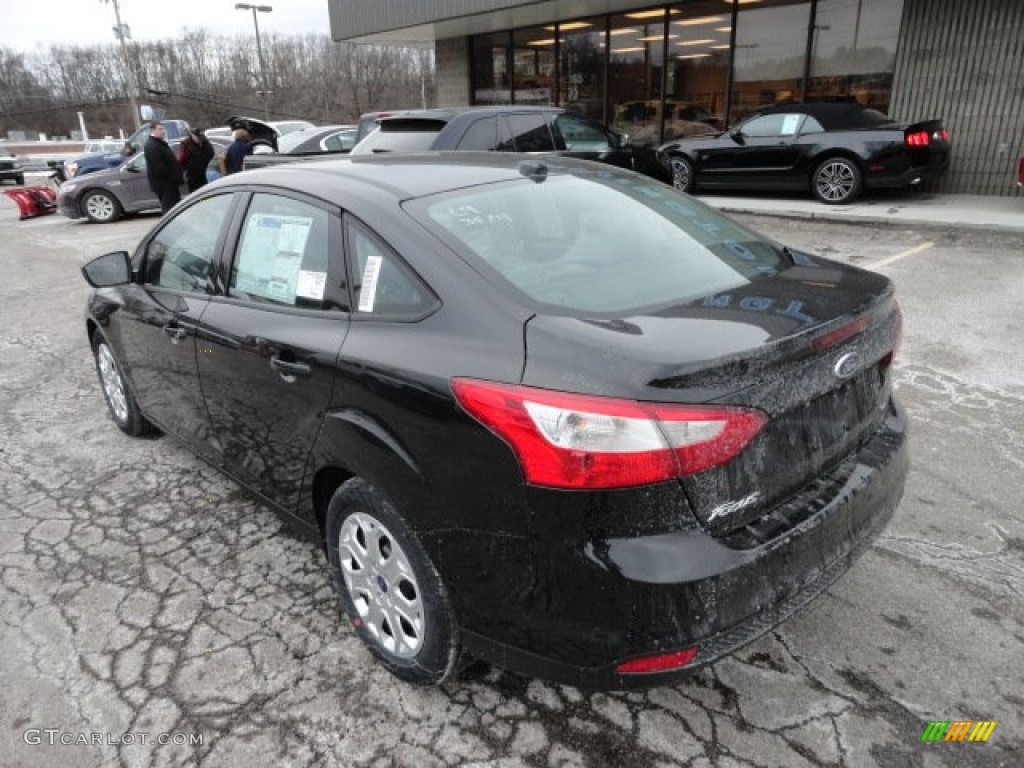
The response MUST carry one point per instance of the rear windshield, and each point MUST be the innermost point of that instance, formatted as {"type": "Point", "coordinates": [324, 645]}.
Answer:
{"type": "Point", "coordinates": [400, 135]}
{"type": "Point", "coordinates": [597, 243]}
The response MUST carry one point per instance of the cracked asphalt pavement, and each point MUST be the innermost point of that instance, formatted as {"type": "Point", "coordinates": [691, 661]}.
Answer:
{"type": "Point", "coordinates": [142, 592]}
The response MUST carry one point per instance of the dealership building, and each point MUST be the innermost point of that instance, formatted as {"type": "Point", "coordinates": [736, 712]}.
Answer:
{"type": "Point", "coordinates": [657, 72]}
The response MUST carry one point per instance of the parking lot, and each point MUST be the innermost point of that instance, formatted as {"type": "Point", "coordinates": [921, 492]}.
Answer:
{"type": "Point", "coordinates": [142, 592]}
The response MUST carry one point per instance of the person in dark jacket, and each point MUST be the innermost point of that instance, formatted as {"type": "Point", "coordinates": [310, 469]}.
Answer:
{"type": "Point", "coordinates": [162, 168]}
{"type": "Point", "coordinates": [195, 153]}
{"type": "Point", "coordinates": [236, 152]}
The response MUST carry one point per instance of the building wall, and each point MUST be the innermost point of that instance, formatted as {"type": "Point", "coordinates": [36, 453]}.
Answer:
{"type": "Point", "coordinates": [964, 62]}
{"type": "Point", "coordinates": [351, 18]}
{"type": "Point", "coordinates": [451, 58]}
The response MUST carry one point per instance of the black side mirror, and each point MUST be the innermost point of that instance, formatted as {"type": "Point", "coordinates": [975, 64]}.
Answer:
{"type": "Point", "coordinates": [109, 270]}
{"type": "Point", "coordinates": [737, 135]}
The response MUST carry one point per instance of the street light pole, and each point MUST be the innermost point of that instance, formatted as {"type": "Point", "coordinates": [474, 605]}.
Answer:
{"type": "Point", "coordinates": [259, 49]}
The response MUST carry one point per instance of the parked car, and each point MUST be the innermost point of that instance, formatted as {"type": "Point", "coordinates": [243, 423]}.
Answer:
{"type": "Point", "coordinates": [101, 161]}
{"type": "Point", "coordinates": [543, 413]}
{"type": "Point", "coordinates": [313, 142]}
{"type": "Point", "coordinates": [102, 146]}
{"type": "Point", "coordinates": [510, 129]}
{"type": "Point", "coordinates": [835, 149]}
{"type": "Point", "coordinates": [105, 196]}
{"type": "Point", "coordinates": [10, 167]}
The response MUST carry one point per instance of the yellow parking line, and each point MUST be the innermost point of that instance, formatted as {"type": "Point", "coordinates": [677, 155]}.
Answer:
{"type": "Point", "coordinates": [902, 254]}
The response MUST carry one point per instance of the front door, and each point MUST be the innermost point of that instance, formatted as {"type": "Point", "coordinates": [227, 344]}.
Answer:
{"type": "Point", "coordinates": [158, 332]}
{"type": "Point", "coordinates": [267, 350]}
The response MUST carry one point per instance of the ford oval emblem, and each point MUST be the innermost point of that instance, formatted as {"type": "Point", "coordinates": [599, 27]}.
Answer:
{"type": "Point", "coordinates": [847, 365]}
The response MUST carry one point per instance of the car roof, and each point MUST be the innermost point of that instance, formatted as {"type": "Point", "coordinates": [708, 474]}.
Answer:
{"type": "Point", "coordinates": [407, 176]}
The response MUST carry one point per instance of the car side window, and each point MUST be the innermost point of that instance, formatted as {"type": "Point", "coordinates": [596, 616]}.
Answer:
{"type": "Point", "coordinates": [766, 126]}
{"type": "Point", "coordinates": [341, 141]}
{"type": "Point", "coordinates": [138, 162]}
{"type": "Point", "coordinates": [811, 125]}
{"type": "Point", "coordinates": [481, 135]}
{"type": "Point", "coordinates": [581, 135]}
{"type": "Point", "coordinates": [181, 255]}
{"type": "Point", "coordinates": [282, 254]}
{"type": "Point", "coordinates": [529, 133]}
{"type": "Point", "coordinates": [382, 284]}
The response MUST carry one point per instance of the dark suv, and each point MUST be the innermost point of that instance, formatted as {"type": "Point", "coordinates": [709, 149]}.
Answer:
{"type": "Point", "coordinates": [10, 168]}
{"type": "Point", "coordinates": [508, 128]}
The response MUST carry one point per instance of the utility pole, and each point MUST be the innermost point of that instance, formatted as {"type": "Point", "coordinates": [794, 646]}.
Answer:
{"type": "Point", "coordinates": [265, 93]}
{"type": "Point", "coordinates": [121, 31]}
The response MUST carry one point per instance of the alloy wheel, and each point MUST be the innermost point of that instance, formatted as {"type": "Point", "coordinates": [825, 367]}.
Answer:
{"type": "Point", "coordinates": [100, 207]}
{"type": "Point", "coordinates": [680, 174]}
{"type": "Point", "coordinates": [113, 387]}
{"type": "Point", "coordinates": [836, 181]}
{"type": "Point", "coordinates": [382, 585]}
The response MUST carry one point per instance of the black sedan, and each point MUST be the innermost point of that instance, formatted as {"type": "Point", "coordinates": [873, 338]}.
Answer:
{"type": "Point", "coordinates": [542, 413]}
{"type": "Point", "coordinates": [834, 149]}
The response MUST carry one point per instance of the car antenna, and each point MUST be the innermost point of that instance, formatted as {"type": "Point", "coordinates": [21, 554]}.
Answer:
{"type": "Point", "coordinates": [537, 172]}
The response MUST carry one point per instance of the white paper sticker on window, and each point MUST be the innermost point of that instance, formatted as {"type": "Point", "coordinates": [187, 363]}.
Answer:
{"type": "Point", "coordinates": [368, 293]}
{"type": "Point", "coordinates": [789, 124]}
{"type": "Point", "coordinates": [311, 285]}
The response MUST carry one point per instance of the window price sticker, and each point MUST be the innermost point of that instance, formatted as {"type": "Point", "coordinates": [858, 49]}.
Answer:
{"type": "Point", "coordinates": [368, 293]}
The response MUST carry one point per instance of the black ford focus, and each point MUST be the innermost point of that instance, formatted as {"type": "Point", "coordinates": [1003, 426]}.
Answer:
{"type": "Point", "coordinates": [547, 414]}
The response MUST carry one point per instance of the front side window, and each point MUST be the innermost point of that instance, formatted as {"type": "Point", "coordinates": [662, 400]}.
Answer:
{"type": "Point", "coordinates": [768, 126]}
{"type": "Point", "coordinates": [597, 243]}
{"type": "Point", "coordinates": [181, 255]}
{"type": "Point", "coordinates": [282, 254]}
{"type": "Point", "coordinates": [582, 135]}
{"type": "Point", "coordinates": [383, 285]}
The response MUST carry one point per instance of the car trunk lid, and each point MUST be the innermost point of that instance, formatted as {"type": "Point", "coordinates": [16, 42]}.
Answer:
{"type": "Point", "coordinates": [809, 347]}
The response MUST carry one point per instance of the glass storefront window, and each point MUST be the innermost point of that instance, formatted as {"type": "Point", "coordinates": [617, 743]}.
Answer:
{"type": "Point", "coordinates": [533, 65]}
{"type": "Point", "coordinates": [771, 48]}
{"type": "Point", "coordinates": [636, 58]}
{"type": "Point", "coordinates": [853, 53]}
{"type": "Point", "coordinates": [581, 66]}
{"type": "Point", "coordinates": [698, 68]}
{"type": "Point", "coordinates": [491, 81]}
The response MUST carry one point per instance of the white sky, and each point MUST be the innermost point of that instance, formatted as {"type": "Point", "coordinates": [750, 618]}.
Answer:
{"type": "Point", "coordinates": [30, 25]}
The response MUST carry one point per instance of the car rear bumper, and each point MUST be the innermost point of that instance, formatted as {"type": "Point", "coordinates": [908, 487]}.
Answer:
{"type": "Point", "coordinates": [673, 591]}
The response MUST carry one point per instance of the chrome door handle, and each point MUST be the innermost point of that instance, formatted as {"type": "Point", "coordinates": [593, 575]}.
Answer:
{"type": "Point", "coordinates": [176, 333]}
{"type": "Point", "coordinates": [289, 370]}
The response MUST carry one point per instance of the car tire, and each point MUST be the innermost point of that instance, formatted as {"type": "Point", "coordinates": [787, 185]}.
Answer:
{"type": "Point", "coordinates": [121, 404]}
{"type": "Point", "coordinates": [837, 180]}
{"type": "Point", "coordinates": [389, 588]}
{"type": "Point", "coordinates": [101, 207]}
{"type": "Point", "coordinates": [682, 173]}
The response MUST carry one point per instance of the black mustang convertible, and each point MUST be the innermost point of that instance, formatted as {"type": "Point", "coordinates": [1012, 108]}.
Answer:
{"type": "Point", "coordinates": [835, 149]}
{"type": "Point", "coordinates": [541, 412]}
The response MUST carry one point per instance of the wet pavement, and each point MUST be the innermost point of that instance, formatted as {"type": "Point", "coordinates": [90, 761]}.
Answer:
{"type": "Point", "coordinates": [141, 592]}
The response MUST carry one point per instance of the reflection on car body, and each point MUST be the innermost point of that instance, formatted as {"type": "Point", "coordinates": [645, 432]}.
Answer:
{"type": "Point", "coordinates": [544, 413]}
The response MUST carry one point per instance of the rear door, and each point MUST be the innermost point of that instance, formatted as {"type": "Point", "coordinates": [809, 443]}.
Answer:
{"type": "Point", "coordinates": [267, 349]}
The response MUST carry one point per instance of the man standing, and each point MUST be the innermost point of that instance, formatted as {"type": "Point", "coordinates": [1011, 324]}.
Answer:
{"type": "Point", "coordinates": [162, 168]}
{"type": "Point", "coordinates": [196, 152]}
{"type": "Point", "coordinates": [237, 152]}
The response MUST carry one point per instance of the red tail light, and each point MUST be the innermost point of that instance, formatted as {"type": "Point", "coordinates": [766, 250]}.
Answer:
{"type": "Point", "coordinates": [579, 441]}
{"type": "Point", "coordinates": [918, 139]}
{"type": "Point", "coordinates": [661, 663]}
{"type": "Point", "coordinates": [887, 360]}
{"type": "Point", "coordinates": [944, 134]}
